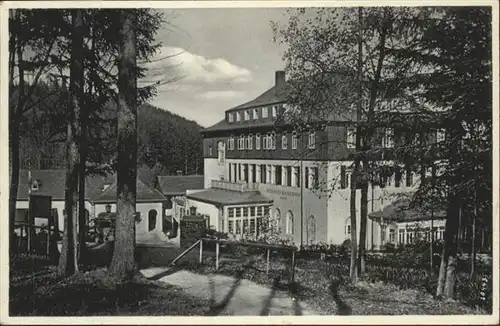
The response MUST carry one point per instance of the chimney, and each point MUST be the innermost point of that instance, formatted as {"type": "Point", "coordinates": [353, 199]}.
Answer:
{"type": "Point", "coordinates": [179, 172]}
{"type": "Point", "coordinates": [279, 80]}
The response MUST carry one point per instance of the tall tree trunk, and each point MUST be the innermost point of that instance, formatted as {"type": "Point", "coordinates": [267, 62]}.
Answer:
{"type": "Point", "coordinates": [15, 123]}
{"type": "Point", "coordinates": [68, 263]}
{"type": "Point", "coordinates": [122, 263]}
{"type": "Point", "coordinates": [473, 247]}
{"type": "Point", "coordinates": [363, 223]}
{"type": "Point", "coordinates": [433, 180]}
{"type": "Point", "coordinates": [353, 270]}
{"type": "Point", "coordinates": [82, 220]}
{"type": "Point", "coordinates": [447, 270]}
{"type": "Point", "coordinates": [367, 133]}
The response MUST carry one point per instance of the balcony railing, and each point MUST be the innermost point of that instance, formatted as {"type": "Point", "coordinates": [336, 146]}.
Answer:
{"type": "Point", "coordinates": [241, 187]}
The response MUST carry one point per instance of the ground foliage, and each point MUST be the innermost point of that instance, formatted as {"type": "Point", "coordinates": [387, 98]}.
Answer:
{"type": "Point", "coordinates": [386, 288]}
{"type": "Point", "coordinates": [93, 293]}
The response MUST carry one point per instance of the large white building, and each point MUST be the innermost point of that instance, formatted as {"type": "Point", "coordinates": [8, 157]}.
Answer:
{"type": "Point", "coordinates": [252, 168]}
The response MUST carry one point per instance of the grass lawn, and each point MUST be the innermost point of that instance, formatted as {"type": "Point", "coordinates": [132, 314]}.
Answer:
{"type": "Point", "coordinates": [93, 294]}
{"type": "Point", "coordinates": [313, 279]}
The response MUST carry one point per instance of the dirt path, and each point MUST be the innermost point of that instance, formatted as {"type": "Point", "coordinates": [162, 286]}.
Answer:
{"type": "Point", "coordinates": [230, 295]}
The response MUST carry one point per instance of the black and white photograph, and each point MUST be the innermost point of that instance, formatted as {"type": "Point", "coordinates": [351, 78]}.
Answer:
{"type": "Point", "coordinates": [273, 161]}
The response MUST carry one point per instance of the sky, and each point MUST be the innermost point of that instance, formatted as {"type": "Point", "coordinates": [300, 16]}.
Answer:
{"type": "Point", "coordinates": [220, 58]}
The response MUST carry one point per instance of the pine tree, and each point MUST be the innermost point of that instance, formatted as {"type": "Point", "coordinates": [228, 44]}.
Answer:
{"type": "Point", "coordinates": [68, 263]}
{"type": "Point", "coordinates": [122, 263]}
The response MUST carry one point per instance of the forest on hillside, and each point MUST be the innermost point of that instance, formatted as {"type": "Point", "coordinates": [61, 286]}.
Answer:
{"type": "Point", "coordinates": [167, 142]}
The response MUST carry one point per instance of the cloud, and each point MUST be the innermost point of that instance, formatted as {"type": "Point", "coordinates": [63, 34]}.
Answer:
{"type": "Point", "coordinates": [210, 95]}
{"type": "Point", "coordinates": [188, 68]}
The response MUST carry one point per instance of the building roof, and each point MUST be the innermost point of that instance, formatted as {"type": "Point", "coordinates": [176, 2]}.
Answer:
{"type": "Point", "coordinates": [178, 184]}
{"type": "Point", "coordinates": [144, 194]}
{"type": "Point", "coordinates": [278, 94]}
{"type": "Point", "coordinates": [400, 211]}
{"type": "Point", "coordinates": [228, 197]}
{"type": "Point", "coordinates": [53, 184]}
{"type": "Point", "coordinates": [225, 125]}
{"type": "Point", "coordinates": [273, 95]}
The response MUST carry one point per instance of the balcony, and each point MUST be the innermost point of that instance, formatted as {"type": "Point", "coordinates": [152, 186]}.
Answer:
{"type": "Point", "coordinates": [241, 187]}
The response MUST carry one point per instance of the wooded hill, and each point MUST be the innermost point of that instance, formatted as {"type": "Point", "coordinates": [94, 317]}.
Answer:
{"type": "Point", "coordinates": [167, 141]}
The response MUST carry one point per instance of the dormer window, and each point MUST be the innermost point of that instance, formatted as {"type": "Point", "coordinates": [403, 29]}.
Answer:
{"type": "Point", "coordinates": [238, 116]}
{"type": "Point", "coordinates": [35, 185]}
{"type": "Point", "coordinates": [247, 115]}
{"type": "Point", "coordinates": [440, 135]}
{"type": "Point", "coordinates": [230, 117]}
{"type": "Point", "coordinates": [264, 112]}
{"type": "Point", "coordinates": [275, 111]}
{"type": "Point", "coordinates": [351, 137]}
{"type": "Point", "coordinates": [255, 114]}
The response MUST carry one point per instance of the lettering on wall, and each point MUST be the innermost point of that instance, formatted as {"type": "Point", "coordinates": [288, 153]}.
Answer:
{"type": "Point", "coordinates": [283, 193]}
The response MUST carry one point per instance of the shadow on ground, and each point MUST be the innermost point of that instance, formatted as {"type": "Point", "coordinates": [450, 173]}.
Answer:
{"type": "Point", "coordinates": [343, 309]}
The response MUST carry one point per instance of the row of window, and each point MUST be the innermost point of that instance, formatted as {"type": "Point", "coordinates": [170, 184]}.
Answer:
{"type": "Point", "coordinates": [388, 137]}
{"type": "Point", "coordinates": [251, 225]}
{"type": "Point", "coordinates": [246, 220]}
{"type": "Point", "coordinates": [267, 141]}
{"type": "Point", "coordinates": [247, 211]}
{"type": "Point", "coordinates": [289, 225]}
{"type": "Point", "coordinates": [290, 176]}
{"type": "Point", "coordinates": [282, 175]}
{"type": "Point", "coordinates": [412, 236]}
{"type": "Point", "coordinates": [408, 236]}
{"type": "Point", "coordinates": [392, 178]}
{"type": "Point", "coordinates": [254, 114]}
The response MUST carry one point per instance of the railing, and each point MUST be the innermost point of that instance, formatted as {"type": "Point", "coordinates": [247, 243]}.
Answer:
{"type": "Point", "coordinates": [241, 187]}
{"type": "Point", "coordinates": [219, 242]}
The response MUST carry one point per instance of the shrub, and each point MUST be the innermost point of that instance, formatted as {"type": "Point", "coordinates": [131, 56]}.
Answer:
{"type": "Point", "coordinates": [388, 247]}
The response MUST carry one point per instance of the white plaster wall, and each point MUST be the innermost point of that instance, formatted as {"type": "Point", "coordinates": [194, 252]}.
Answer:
{"type": "Point", "coordinates": [56, 204]}
{"type": "Point", "coordinates": [204, 209]}
{"type": "Point", "coordinates": [329, 213]}
{"type": "Point", "coordinates": [339, 205]}
{"type": "Point", "coordinates": [143, 208]}
{"type": "Point", "coordinates": [212, 170]}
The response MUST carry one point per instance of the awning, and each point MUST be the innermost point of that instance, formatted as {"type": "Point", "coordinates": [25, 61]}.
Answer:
{"type": "Point", "coordinates": [400, 211]}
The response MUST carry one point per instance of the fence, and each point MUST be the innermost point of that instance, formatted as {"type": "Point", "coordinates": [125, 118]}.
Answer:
{"type": "Point", "coordinates": [218, 242]}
